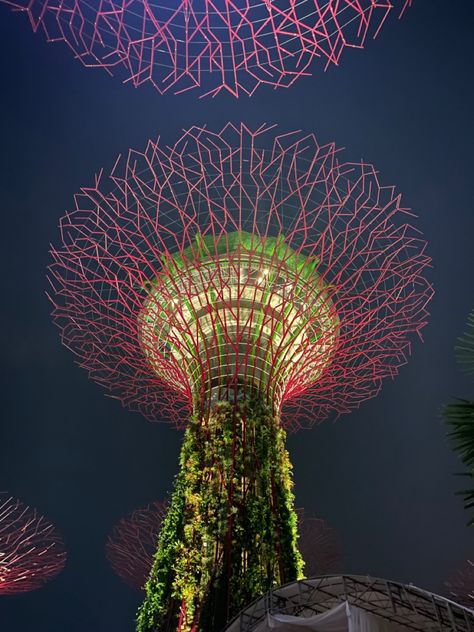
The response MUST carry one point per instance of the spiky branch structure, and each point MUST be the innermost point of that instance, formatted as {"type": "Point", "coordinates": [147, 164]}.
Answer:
{"type": "Point", "coordinates": [31, 551]}
{"type": "Point", "coordinates": [461, 585]}
{"type": "Point", "coordinates": [131, 546]}
{"type": "Point", "coordinates": [207, 45]}
{"type": "Point", "coordinates": [256, 282]}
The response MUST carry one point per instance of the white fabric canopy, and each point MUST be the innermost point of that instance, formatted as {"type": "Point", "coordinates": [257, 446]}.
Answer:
{"type": "Point", "coordinates": [342, 618]}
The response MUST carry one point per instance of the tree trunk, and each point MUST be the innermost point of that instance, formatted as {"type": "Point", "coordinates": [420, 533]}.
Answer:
{"type": "Point", "coordinates": [230, 531]}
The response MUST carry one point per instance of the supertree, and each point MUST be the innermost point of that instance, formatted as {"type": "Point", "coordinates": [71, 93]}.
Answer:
{"type": "Point", "coordinates": [31, 551]}
{"type": "Point", "coordinates": [209, 45]}
{"type": "Point", "coordinates": [131, 545]}
{"type": "Point", "coordinates": [461, 585]}
{"type": "Point", "coordinates": [240, 282]}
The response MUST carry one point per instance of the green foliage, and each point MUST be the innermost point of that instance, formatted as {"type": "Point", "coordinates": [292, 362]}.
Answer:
{"type": "Point", "coordinates": [460, 415]}
{"type": "Point", "coordinates": [230, 534]}
{"type": "Point", "coordinates": [460, 418]}
{"type": "Point", "coordinates": [465, 348]}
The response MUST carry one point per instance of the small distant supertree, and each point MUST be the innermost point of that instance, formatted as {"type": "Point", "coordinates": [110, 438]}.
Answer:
{"type": "Point", "coordinates": [459, 415]}
{"type": "Point", "coordinates": [31, 551]}
{"type": "Point", "coordinates": [240, 283]}
{"type": "Point", "coordinates": [319, 545]}
{"type": "Point", "coordinates": [461, 585]}
{"type": "Point", "coordinates": [207, 45]}
{"type": "Point", "coordinates": [132, 544]}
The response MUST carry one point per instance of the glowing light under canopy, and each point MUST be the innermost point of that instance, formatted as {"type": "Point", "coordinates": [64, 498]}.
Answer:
{"type": "Point", "coordinates": [243, 311]}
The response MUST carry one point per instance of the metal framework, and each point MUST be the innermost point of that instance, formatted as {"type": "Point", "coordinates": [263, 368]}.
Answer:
{"type": "Point", "coordinates": [132, 544]}
{"type": "Point", "coordinates": [297, 266]}
{"type": "Point", "coordinates": [461, 585]}
{"type": "Point", "coordinates": [31, 551]}
{"type": "Point", "coordinates": [406, 606]}
{"type": "Point", "coordinates": [209, 45]}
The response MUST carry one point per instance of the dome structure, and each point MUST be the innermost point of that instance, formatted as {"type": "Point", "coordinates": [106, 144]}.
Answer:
{"type": "Point", "coordinates": [388, 606]}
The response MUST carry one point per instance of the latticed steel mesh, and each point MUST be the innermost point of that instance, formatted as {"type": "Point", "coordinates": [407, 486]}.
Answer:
{"type": "Point", "coordinates": [344, 288]}
{"type": "Point", "coordinates": [132, 544]}
{"type": "Point", "coordinates": [210, 45]}
{"type": "Point", "coordinates": [31, 551]}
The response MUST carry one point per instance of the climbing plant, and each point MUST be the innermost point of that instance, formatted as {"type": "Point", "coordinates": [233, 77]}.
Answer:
{"type": "Point", "coordinates": [230, 533]}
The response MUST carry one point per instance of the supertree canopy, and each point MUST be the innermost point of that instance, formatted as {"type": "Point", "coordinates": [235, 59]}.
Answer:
{"type": "Point", "coordinates": [132, 544]}
{"type": "Point", "coordinates": [31, 551]}
{"type": "Point", "coordinates": [210, 45]}
{"type": "Point", "coordinates": [242, 283]}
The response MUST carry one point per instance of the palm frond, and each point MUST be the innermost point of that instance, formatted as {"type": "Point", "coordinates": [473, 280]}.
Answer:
{"type": "Point", "coordinates": [459, 417]}
{"type": "Point", "coordinates": [465, 347]}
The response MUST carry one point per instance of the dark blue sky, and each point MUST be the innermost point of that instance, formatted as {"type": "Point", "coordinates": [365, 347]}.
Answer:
{"type": "Point", "coordinates": [382, 476]}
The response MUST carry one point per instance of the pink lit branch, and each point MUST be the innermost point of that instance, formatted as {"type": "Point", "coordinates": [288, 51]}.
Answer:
{"type": "Point", "coordinates": [209, 46]}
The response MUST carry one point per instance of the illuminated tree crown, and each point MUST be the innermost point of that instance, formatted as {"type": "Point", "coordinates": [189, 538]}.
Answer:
{"type": "Point", "coordinates": [155, 264]}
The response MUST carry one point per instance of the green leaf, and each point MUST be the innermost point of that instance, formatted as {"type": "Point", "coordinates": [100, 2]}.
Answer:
{"type": "Point", "coordinates": [465, 348]}
{"type": "Point", "coordinates": [459, 417]}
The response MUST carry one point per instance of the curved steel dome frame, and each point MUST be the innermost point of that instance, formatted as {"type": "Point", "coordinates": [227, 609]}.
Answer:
{"type": "Point", "coordinates": [408, 607]}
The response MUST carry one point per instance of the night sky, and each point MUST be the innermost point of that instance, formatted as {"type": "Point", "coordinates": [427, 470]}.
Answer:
{"type": "Point", "coordinates": [383, 475]}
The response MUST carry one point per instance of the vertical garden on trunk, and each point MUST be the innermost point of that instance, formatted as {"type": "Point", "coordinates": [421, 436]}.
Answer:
{"type": "Point", "coordinates": [230, 532]}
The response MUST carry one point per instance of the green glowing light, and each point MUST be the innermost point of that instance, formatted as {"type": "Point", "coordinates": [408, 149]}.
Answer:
{"type": "Point", "coordinates": [239, 309]}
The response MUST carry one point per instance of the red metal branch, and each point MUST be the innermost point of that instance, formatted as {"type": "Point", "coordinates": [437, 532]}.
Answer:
{"type": "Point", "coordinates": [209, 45]}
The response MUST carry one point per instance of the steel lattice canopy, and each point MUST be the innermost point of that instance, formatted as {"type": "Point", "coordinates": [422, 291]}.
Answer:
{"type": "Point", "coordinates": [405, 606]}
{"type": "Point", "coordinates": [31, 550]}
{"type": "Point", "coordinates": [240, 258]}
{"type": "Point", "coordinates": [209, 45]}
